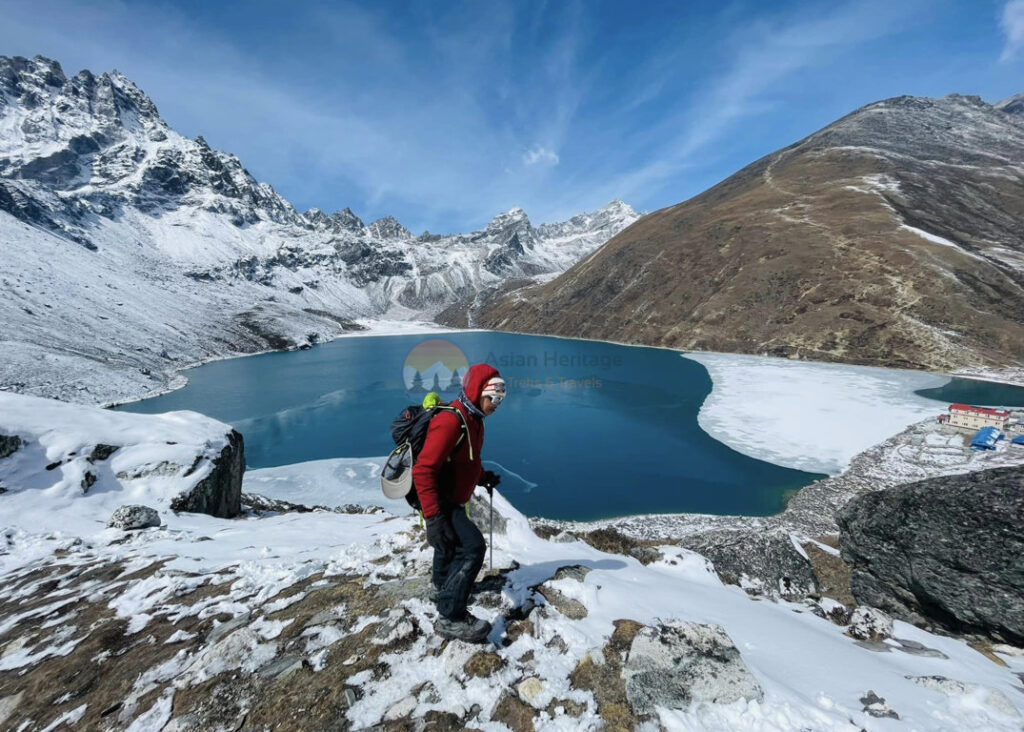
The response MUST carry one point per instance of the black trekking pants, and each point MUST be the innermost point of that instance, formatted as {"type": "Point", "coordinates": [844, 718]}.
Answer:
{"type": "Point", "coordinates": [456, 565]}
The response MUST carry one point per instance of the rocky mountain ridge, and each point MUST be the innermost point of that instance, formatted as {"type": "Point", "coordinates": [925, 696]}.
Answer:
{"type": "Point", "coordinates": [132, 250]}
{"type": "Point", "coordinates": [891, 237]}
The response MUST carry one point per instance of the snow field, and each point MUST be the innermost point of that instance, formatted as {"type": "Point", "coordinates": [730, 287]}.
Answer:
{"type": "Point", "coordinates": [809, 416]}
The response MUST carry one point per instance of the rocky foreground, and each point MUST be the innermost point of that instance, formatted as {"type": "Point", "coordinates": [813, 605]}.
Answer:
{"type": "Point", "coordinates": [148, 618]}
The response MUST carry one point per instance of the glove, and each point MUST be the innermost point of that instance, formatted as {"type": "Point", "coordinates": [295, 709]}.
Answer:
{"type": "Point", "coordinates": [489, 479]}
{"type": "Point", "coordinates": [440, 533]}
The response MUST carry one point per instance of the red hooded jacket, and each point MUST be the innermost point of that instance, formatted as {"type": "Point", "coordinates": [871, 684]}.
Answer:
{"type": "Point", "coordinates": [446, 473]}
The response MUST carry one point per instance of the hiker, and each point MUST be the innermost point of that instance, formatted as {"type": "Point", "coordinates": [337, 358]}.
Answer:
{"type": "Point", "coordinates": [446, 472]}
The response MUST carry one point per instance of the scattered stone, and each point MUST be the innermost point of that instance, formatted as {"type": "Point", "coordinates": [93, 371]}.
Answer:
{"type": "Point", "coordinates": [129, 518]}
{"type": "Point", "coordinates": [566, 707]}
{"type": "Point", "coordinates": [615, 542]}
{"type": "Point", "coordinates": [876, 706]}
{"type": "Point", "coordinates": [571, 608]}
{"type": "Point", "coordinates": [223, 629]}
{"type": "Point", "coordinates": [9, 445]}
{"type": "Point", "coordinates": [918, 649]}
{"type": "Point", "coordinates": [835, 612]}
{"type": "Point", "coordinates": [944, 550]}
{"type": "Point", "coordinates": [8, 704]}
{"type": "Point", "coordinates": [573, 571]}
{"type": "Point", "coordinates": [483, 664]}
{"type": "Point", "coordinates": [557, 642]}
{"type": "Point", "coordinates": [514, 713]}
{"type": "Point", "coordinates": [992, 698]}
{"type": "Point", "coordinates": [677, 663]}
{"type": "Point", "coordinates": [350, 697]}
{"type": "Point", "coordinates": [435, 721]}
{"type": "Point", "coordinates": [395, 628]}
{"type": "Point", "coordinates": [530, 689]}
{"type": "Point", "coordinates": [401, 708]}
{"type": "Point", "coordinates": [517, 629]}
{"type": "Point", "coordinates": [88, 481]}
{"type": "Point", "coordinates": [564, 537]}
{"type": "Point", "coordinates": [543, 530]}
{"type": "Point", "coordinates": [101, 452]}
{"type": "Point", "coordinates": [413, 588]}
{"type": "Point", "coordinates": [281, 666]}
{"type": "Point", "coordinates": [427, 693]}
{"type": "Point", "coordinates": [870, 624]}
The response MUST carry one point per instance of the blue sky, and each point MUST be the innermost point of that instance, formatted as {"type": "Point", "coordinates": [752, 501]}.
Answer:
{"type": "Point", "coordinates": [445, 113]}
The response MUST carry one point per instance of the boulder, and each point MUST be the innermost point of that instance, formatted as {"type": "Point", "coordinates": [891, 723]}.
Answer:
{"type": "Point", "coordinates": [220, 493]}
{"type": "Point", "coordinates": [480, 514]}
{"type": "Point", "coordinates": [134, 517]}
{"type": "Point", "coordinates": [568, 606]}
{"type": "Point", "coordinates": [870, 624]}
{"type": "Point", "coordinates": [9, 444]}
{"type": "Point", "coordinates": [483, 664]}
{"type": "Point", "coordinates": [761, 561]}
{"type": "Point", "coordinates": [946, 551]}
{"type": "Point", "coordinates": [530, 690]}
{"type": "Point", "coordinates": [876, 706]}
{"type": "Point", "coordinates": [677, 663]}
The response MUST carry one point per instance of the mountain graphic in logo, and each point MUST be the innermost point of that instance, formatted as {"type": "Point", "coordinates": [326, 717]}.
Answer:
{"type": "Point", "coordinates": [435, 365]}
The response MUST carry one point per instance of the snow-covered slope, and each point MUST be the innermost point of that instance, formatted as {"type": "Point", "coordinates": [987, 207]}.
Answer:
{"type": "Point", "coordinates": [318, 620]}
{"type": "Point", "coordinates": [129, 250]}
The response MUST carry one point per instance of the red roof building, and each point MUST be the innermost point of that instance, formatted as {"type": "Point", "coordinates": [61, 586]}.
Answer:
{"type": "Point", "coordinates": [974, 418]}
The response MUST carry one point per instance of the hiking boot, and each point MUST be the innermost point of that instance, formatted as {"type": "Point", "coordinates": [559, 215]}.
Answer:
{"type": "Point", "coordinates": [470, 628]}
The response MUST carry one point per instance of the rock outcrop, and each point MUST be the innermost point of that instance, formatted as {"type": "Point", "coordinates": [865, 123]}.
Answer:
{"type": "Point", "coordinates": [9, 444]}
{"type": "Point", "coordinates": [220, 493]}
{"type": "Point", "coordinates": [948, 551]}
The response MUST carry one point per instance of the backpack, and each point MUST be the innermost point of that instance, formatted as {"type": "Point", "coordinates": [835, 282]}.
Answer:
{"type": "Point", "coordinates": [409, 431]}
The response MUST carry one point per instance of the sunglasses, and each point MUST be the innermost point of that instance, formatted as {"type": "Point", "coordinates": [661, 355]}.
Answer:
{"type": "Point", "coordinates": [496, 397]}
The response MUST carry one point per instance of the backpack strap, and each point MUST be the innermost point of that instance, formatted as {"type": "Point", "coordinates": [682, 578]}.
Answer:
{"type": "Point", "coordinates": [465, 429]}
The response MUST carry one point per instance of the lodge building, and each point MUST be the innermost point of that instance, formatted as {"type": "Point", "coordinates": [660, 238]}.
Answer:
{"type": "Point", "coordinates": [974, 418]}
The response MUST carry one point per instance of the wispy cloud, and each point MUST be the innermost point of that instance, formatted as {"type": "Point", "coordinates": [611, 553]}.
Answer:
{"type": "Point", "coordinates": [1013, 26]}
{"type": "Point", "coordinates": [446, 113]}
{"type": "Point", "coordinates": [769, 53]}
{"type": "Point", "coordinates": [540, 155]}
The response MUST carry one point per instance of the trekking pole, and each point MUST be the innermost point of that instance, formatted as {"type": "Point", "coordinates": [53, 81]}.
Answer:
{"type": "Point", "coordinates": [491, 495]}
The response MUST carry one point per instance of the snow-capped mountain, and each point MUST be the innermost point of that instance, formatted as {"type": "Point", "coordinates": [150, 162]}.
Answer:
{"type": "Point", "coordinates": [133, 250]}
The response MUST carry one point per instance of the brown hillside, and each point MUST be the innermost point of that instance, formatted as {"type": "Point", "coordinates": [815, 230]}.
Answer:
{"type": "Point", "coordinates": [807, 252]}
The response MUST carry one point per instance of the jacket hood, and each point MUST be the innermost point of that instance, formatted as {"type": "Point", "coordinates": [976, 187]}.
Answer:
{"type": "Point", "coordinates": [475, 379]}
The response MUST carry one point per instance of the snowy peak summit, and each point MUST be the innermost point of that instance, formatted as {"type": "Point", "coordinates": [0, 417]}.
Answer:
{"type": "Point", "coordinates": [388, 228]}
{"type": "Point", "coordinates": [1012, 105]}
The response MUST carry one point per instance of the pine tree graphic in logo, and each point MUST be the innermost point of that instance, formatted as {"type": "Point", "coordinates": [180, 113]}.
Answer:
{"type": "Point", "coordinates": [435, 365]}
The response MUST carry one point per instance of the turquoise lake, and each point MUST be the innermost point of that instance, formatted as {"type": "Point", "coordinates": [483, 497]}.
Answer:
{"type": "Point", "coordinates": [589, 430]}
